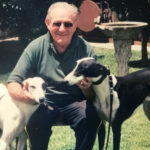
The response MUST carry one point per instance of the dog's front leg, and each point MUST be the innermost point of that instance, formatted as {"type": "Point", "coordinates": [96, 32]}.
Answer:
{"type": "Point", "coordinates": [10, 147]}
{"type": "Point", "coordinates": [3, 145]}
{"type": "Point", "coordinates": [21, 145]}
{"type": "Point", "coordinates": [101, 135]}
{"type": "Point", "coordinates": [6, 138]}
{"type": "Point", "coordinates": [11, 128]}
{"type": "Point", "coordinates": [116, 128]}
{"type": "Point", "coordinates": [6, 141]}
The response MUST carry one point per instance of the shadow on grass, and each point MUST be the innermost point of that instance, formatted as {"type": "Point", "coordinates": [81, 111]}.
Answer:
{"type": "Point", "coordinates": [99, 57]}
{"type": "Point", "coordinates": [10, 52]}
{"type": "Point", "coordinates": [139, 64]}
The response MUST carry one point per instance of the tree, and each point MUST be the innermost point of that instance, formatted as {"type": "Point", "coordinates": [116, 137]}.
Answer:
{"type": "Point", "coordinates": [25, 18]}
{"type": "Point", "coordinates": [140, 11]}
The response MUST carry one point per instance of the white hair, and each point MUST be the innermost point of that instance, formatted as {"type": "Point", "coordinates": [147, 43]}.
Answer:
{"type": "Point", "coordinates": [63, 5]}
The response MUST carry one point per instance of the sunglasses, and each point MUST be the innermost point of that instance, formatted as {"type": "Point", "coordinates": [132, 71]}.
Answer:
{"type": "Point", "coordinates": [66, 24]}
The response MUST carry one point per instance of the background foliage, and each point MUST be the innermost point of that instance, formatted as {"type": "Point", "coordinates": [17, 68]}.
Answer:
{"type": "Point", "coordinates": [25, 18]}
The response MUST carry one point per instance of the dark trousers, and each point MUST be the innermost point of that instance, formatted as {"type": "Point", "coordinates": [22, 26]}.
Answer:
{"type": "Point", "coordinates": [82, 118]}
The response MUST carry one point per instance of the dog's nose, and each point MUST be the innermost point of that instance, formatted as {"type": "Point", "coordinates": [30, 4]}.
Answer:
{"type": "Point", "coordinates": [41, 100]}
{"type": "Point", "coordinates": [66, 82]}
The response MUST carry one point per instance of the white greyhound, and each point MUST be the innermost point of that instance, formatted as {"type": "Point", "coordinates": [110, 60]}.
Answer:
{"type": "Point", "coordinates": [15, 114]}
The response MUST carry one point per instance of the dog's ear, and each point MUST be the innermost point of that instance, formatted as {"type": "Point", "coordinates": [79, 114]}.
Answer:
{"type": "Point", "coordinates": [26, 85]}
{"type": "Point", "coordinates": [99, 66]}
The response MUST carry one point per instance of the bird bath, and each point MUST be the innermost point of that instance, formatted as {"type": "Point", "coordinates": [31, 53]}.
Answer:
{"type": "Point", "coordinates": [122, 34]}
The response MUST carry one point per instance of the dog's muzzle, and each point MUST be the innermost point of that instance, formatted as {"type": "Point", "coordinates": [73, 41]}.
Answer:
{"type": "Point", "coordinates": [41, 100]}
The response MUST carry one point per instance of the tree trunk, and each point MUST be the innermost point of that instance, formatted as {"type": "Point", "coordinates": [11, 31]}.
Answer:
{"type": "Point", "coordinates": [144, 41]}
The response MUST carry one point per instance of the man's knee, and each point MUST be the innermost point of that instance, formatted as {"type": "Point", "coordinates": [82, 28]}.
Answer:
{"type": "Point", "coordinates": [39, 133]}
{"type": "Point", "coordinates": [39, 128]}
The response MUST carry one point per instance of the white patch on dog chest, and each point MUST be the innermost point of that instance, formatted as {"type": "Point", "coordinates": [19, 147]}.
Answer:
{"type": "Point", "coordinates": [102, 102]}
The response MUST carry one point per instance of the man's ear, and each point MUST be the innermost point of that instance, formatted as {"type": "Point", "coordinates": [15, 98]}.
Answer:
{"type": "Point", "coordinates": [47, 22]}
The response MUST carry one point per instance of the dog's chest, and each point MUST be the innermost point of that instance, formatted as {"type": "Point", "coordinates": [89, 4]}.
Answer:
{"type": "Point", "coordinates": [103, 101]}
{"type": "Point", "coordinates": [26, 110]}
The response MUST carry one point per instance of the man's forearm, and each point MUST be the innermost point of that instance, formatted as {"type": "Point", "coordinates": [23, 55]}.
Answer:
{"type": "Point", "coordinates": [89, 93]}
{"type": "Point", "coordinates": [15, 90]}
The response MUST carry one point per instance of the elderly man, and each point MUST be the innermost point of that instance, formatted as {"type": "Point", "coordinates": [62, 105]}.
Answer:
{"type": "Point", "coordinates": [52, 56]}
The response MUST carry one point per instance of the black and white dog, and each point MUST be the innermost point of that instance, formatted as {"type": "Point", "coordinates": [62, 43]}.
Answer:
{"type": "Point", "coordinates": [128, 92]}
{"type": "Point", "coordinates": [14, 114]}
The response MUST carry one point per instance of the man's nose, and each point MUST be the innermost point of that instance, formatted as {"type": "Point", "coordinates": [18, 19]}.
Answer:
{"type": "Point", "coordinates": [62, 27]}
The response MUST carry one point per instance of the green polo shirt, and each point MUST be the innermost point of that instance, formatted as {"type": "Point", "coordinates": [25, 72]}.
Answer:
{"type": "Point", "coordinates": [40, 58]}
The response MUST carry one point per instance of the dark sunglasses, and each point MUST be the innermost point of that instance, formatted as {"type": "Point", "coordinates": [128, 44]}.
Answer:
{"type": "Point", "coordinates": [66, 24]}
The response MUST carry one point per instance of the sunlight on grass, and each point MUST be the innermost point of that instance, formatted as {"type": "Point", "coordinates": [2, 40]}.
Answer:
{"type": "Point", "coordinates": [136, 132]}
{"type": "Point", "coordinates": [62, 138]}
{"type": "Point", "coordinates": [135, 135]}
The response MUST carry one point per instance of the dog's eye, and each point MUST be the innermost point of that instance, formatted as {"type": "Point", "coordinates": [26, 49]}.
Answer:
{"type": "Point", "coordinates": [44, 86]}
{"type": "Point", "coordinates": [77, 73]}
{"type": "Point", "coordinates": [32, 86]}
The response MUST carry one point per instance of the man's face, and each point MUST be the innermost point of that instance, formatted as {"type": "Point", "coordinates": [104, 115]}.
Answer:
{"type": "Point", "coordinates": [62, 26]}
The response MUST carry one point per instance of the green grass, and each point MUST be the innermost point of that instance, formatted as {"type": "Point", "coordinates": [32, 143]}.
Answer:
{"type": "Point", "coordinates": [135, 131]}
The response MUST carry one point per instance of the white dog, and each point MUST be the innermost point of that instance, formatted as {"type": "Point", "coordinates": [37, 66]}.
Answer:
{"type": "Point", "coordinates": [15, 114]}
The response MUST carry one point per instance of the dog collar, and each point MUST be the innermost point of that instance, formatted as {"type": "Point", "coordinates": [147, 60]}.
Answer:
{"type": "Point", "coordinates": [99, 81]}
{"type": "Point", "coordinates": [102, 78]}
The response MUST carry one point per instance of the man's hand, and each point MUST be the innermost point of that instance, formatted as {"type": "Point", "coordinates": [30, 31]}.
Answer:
{"type": "Point", "coordinates": [17, 92]}
{"type": "Point", "coordinates": [27, 95]}
{"type": "Point", "coordinates": [87, 89]}
{"type": "Point", "coordinates": [85, 84]}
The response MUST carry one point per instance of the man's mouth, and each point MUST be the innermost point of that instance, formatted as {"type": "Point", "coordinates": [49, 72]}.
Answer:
{"type": "Point", "coordinates": [62, 34]}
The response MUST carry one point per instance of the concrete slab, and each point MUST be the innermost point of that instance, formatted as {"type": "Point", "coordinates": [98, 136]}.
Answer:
{"type": "Point", "coordinates": [111, 46]}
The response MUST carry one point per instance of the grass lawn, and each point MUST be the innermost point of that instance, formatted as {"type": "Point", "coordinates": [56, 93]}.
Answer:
{"type": "Point", "coordinates": [135, 131]}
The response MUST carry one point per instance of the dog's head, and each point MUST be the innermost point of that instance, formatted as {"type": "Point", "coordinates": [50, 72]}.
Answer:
{"type": "Point", "coordinates": [37, 87]}
{"type": "Point", "coordinates": [86, 67]}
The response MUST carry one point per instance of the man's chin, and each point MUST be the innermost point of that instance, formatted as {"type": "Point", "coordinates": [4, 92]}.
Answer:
{"type": "Point", "coordinates": [63, 42]}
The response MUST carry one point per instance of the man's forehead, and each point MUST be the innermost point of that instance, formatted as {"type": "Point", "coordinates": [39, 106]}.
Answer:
{"type": "Point", "coordinates": [62, 14]}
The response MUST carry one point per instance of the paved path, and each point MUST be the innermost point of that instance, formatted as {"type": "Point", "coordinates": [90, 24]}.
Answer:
{"type": "Point", "coordinates": [111, 46]}
{"type": "Point", "coordinates": [108, 45]}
